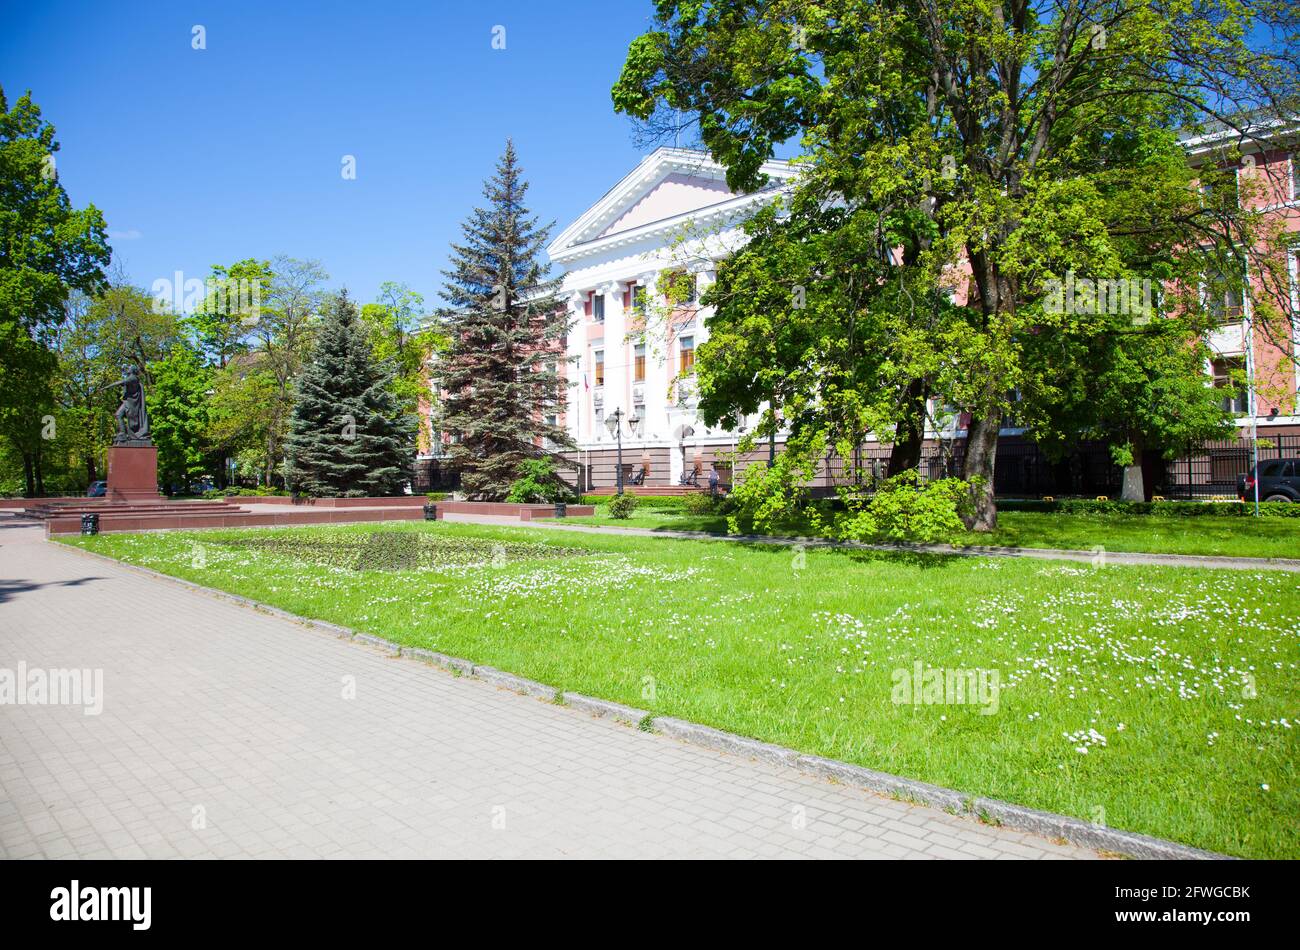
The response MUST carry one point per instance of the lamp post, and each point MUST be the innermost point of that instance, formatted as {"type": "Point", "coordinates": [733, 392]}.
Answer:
{"type": "Point", "coordinates": [615, 425]}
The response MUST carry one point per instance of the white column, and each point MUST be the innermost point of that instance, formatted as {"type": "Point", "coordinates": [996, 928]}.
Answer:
{"type": "Point", "coordinates": [578, 396]}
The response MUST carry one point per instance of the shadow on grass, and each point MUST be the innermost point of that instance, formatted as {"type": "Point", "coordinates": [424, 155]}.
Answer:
{"type": "Point", "coordinates": [785, 547]}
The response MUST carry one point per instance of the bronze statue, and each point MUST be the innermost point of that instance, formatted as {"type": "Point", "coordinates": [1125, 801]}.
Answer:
{"type": "Point", "coordinates": [132, 416]}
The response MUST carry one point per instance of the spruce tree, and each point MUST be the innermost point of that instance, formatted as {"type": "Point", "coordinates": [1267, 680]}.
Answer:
{"type": "Point", "coordinates": [348, 436]}
{"type": "Point", "coordinates": [504, 323]}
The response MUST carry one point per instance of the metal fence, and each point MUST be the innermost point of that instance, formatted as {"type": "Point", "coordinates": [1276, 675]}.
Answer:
{"type": "Point", "coordinates": [1022, 471]}
{"type": "Point", "coordinates": [1209, 470]}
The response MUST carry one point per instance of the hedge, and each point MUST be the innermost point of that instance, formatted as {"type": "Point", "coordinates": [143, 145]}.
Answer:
{"type": "Point", "coordinates": [237, 492]}
{"type": "Point", "coordinates": [661, 502]}
{"type": "Point", "coordinates": [1181, 509]}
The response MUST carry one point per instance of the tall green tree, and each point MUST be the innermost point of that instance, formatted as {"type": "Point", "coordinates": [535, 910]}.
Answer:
{"type": "Point", "coordinates": [48, 249]}
{"type": "Point", "coordinates": [503, 323]}
{"type": "Point", "coordinates": [231, 308]}
{"type": "Point", "coordinates": [1140, 390]}
{"type": "Point", "coordinates": [178, 414]}
{"type": "Point", "coordinates": [348, 435]}
{"type": "Point", "coordinates": [238, 426]}
{"type": "Point", "coordinates": [1012, 140]}
{"type": "Point", "coordinates": [283, 339]}
{"type": "Point", "coordinates": [399, 334]}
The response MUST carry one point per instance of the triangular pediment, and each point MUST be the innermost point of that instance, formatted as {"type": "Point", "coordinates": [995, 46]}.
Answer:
{"type": "Point", "coordinates": [678, 193]}
{"type": "Point", "coordinates": [669, 186]}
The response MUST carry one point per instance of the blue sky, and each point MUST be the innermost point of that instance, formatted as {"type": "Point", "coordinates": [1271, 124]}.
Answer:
{"type": "Point", "coordinates": [200, 157]}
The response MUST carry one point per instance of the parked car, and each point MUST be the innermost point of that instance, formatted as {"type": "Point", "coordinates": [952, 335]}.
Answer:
{"type": "Point", "coordinates": [97, 490]}
{"type": "Point", "coordinates": [1279, 480]}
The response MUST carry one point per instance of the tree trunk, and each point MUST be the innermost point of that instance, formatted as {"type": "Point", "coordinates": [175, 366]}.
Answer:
{"type": "Point", "coordinates": [92, 474]}
{"type": "Point", "coordinates": [909, 435]}
{"type": "Point", "coordinates": [1133, 488]}
{"type": "Point", "coordinates": [40, 471]}
{"type": "Point", "coordinates": [29, 476]}
{"type": "Point", "coordinates": [981, 457]}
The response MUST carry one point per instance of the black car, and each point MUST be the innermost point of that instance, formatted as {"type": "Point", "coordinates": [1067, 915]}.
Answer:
{"type": "Point", "coordinates": [1279, 480]}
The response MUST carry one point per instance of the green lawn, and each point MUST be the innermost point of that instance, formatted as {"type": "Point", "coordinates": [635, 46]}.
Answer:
{"type": "Point", "coordinates": [1159, 700]}
{"type": "Point", "coordinates": [1206, 534]}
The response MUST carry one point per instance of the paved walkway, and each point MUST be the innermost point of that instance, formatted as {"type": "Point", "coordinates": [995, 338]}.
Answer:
{"type": "Point", "coordinates": [225, 733]}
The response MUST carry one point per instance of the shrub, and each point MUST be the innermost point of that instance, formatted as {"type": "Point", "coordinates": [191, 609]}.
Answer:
{"type": "Point", "coordinates": [435, 496]}
{"type": "Point", "coordinates": [770, 495]}
{"type": "Point", "coordinates": [622, 506]}
{"type": "Point", "coordinates": [657, 502]}
{"type": "Point", "coordinates": [237, 491]}
{"type": "Point", "coordinates": [699, 503]}
{"type": "Point", "coordinates": [904, 509]}
{"type": "Point", "coordinates": [538, 483]}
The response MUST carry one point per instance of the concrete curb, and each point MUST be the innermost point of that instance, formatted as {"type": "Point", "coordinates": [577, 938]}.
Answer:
{"type": "Point", "coordinates": [894, 786]}
{"type": "Point", "coordinates": [370, 639]}
{"type": "Point", "coordinates": [604, 709]}
{"type": "Point", "coordinates": [453, 663]}
{"type": "Point", "coordinates": [1006, 814]}
{"type": "Point", "coordinates": [1088, 835]}
{"type": "Point", "coordinates": [724, 741]}
{"type": "Point", "coordinates": [516, 684]}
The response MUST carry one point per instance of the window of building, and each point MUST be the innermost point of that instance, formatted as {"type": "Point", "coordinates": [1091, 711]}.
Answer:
{"type": "Point", "coordinates": [638, 299]}
{"type": "Point", "coordinates": [1235, 399]}
{"type": "Point", "coordinates": [1011, 417]}
{"type": "Point", "coordinates": [686, 348]}
{"type": "Point", "coordinates": [598, 307]}
{"type": "Point", "coordinates": [1295, 176]}
{"type": "Point", "coordinates": [600, 367]}
{"type": "Point", "coordinates": [638, 363]}
{"type": "Point", "coordinates": [600, 421]}
{"type": "Point", "coordinates": [1223, 298]}
{"type": "Point", "coordinates": [1220, 182]}
{"type": "Point", "coordinates": [678, 287]}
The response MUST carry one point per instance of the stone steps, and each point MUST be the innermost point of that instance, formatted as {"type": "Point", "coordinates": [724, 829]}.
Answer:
{"type": "Point", "coordinates": [103, 507]}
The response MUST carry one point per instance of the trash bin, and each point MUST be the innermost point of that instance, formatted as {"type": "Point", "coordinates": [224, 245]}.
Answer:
{"type": "Point", "coordinates": [90, 523]}
{"type": "Point", "coordinates": [430, 512]}
{"type": "Point", "coordinates": [561, 509]}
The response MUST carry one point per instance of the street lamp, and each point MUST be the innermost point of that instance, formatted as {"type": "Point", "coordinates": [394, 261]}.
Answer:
{"type": "Point", "coordinates": [614, 425]}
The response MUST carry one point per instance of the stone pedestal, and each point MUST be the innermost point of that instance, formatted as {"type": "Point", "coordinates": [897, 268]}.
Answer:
{"type": "Point", "coordinates": [132, 473]}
